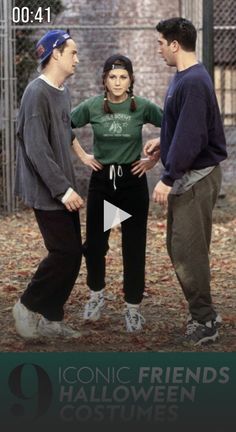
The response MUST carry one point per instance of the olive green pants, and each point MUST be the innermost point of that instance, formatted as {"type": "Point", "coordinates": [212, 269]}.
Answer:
{"type": "Point", "coordinates": [189, 227]}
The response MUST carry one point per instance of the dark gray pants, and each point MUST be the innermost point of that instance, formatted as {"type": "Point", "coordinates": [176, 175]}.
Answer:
{"type": "Point", "coordinates": [189, 227]}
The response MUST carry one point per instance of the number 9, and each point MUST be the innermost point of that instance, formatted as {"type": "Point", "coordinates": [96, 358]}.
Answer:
{"type": "Point", "coordinates": [43, 394]}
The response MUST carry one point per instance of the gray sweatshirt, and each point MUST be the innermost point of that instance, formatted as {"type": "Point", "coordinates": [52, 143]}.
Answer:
{"type": "Point", "coordinates": [44, 169]}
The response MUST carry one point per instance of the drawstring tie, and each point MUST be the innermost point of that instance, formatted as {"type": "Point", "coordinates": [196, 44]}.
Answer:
{"type": "Point", "coordinates": [113, 173]}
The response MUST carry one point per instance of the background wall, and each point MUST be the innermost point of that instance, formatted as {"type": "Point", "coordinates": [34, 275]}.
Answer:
{"type": "Point", "coordinates": [102, 28]}
{"type": "Point", "coordinates": [95, 45]}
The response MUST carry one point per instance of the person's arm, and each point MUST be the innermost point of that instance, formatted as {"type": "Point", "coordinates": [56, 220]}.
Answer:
{"type": "Point", "coordinates": [189, 139]}
{"type": "Point", "coordinates": [87, 159]}
{"type": "Point", "coordinates": [143, 165]}
{"type": "Point", "coordinates": [152, 150]}
{"type": "Point", "coordinates": [80, 116]}
{"type": "Point", "coordinates": [72, 200]}
{"type": "Point", "coordinates": [161, 193]}
{"type": "Point", "coordinates": [41, 155]}
{"type": "Point", "coordinates": [152, 115]}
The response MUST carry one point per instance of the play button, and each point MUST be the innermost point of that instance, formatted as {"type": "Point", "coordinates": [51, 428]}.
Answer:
{"type": "Point", "coordinates": [113, 215]}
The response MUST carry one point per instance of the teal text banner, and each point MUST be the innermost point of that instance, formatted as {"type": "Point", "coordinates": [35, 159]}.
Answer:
{"type": "Point", "coordinates": [78, 391]}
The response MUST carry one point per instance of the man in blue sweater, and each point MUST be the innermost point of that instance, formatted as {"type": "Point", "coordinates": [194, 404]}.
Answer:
{"type": "Point", "coordinates": [192, 147]}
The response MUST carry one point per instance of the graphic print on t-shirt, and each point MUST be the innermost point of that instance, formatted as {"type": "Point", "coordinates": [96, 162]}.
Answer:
{"type": "Point", "coordinates": [116, 124]}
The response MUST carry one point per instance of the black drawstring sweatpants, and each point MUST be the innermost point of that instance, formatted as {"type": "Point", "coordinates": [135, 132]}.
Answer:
{"type": "Point", "coordinates": [130, 193]}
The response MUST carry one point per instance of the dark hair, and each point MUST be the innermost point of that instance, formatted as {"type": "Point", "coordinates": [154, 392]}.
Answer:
{"type": "Point", "coordinates": [106, 106]}
{"type": "Point", "coordinates": [47, 60]}
{"type": "Point", "coordinates": [179, 29]}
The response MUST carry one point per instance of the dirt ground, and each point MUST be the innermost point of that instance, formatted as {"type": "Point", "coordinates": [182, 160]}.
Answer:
{"type": "Point", "coordinates": [163, 307]}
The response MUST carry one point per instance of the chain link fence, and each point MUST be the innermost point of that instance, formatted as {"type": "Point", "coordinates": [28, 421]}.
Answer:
{"type": "Point", "coordinates": [225, 77]}
{"type": "Point", "coordinates": [7, 108]}
{"type": "Point", "coordinates": [26, 21]}
{"type": "Point", "coordinates": [225, 58]}
{"type": "Point", "coordinates": [22, 22]}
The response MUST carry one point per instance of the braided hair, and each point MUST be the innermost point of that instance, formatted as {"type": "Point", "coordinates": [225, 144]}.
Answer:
{"type": "Point", "coordinates": [106, 106]}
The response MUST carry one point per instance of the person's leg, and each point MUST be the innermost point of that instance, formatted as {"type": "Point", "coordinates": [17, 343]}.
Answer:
{"type": "Point", "coordinates": [96, 246]}
{"type": "Point", "coordinates": [134, 201]}
{"type": "Point", "coordinates": [189, 228]}
{"type": "Point", "coordinates": [54, 279]}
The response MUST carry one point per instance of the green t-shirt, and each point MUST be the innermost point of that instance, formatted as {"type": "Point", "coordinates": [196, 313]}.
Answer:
{"type": "Point", "coordinates": [117, 136]}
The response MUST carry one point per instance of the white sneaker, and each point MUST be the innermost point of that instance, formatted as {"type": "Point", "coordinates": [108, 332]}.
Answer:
{"type": "Point", "coordinates": [133, 319]}
{"type": "Point", "coordinates": [26, 321]}
{"type": "Point", "coordinates": [55, 329]}
{"type": "Point", "coordinates": [94, 306]}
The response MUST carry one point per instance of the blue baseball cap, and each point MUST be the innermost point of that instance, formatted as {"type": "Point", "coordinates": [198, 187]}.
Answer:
{"type": "Point", "coordinates": [52, 39]}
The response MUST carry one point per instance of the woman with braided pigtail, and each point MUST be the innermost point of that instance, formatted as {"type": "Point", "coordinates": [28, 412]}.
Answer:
{"type": "Point", "coordinates": [106, 106]}
{"type": "Point", "coordinates": [132, 99]}
{"type": "Point", "coordinates": [119, 177]}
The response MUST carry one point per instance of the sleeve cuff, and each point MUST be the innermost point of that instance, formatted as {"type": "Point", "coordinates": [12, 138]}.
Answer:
{"type": "Point", "coordinates": [167, 180]}
{"type": "Point", "coordinates": [67, 194]}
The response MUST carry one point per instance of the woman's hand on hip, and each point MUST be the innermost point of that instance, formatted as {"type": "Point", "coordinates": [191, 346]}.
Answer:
{"type": "Point", "coordinates": [89, 160]}
{"type": "Point", "coordinates": [142, 165]}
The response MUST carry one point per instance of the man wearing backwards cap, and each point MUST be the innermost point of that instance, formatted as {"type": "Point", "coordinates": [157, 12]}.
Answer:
{"type": "Point", "coordinates": [45, 181]}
